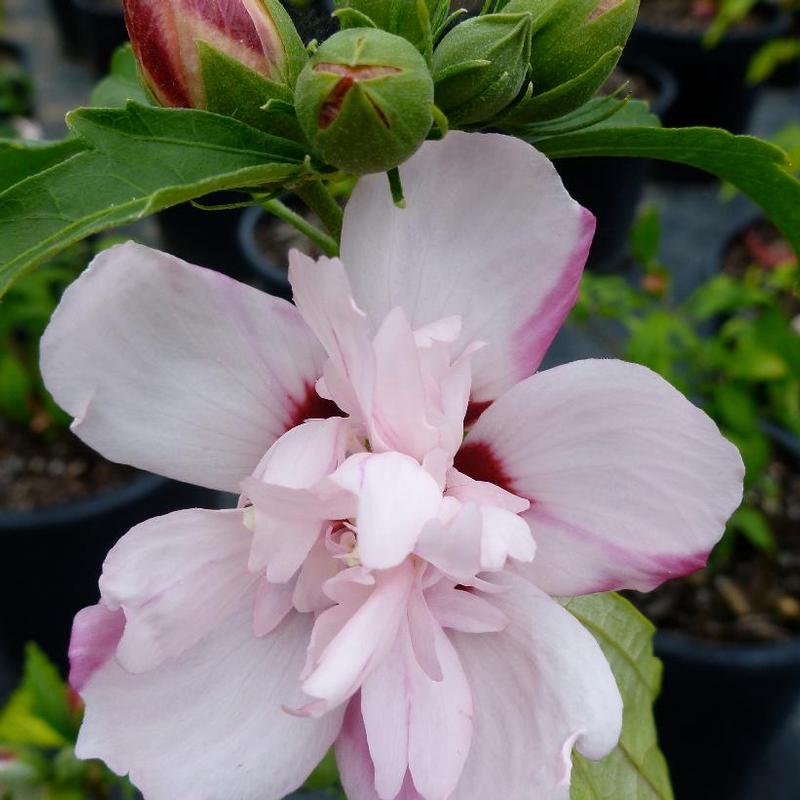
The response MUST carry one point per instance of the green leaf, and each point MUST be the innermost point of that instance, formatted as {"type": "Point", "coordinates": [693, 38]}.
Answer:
{"type": "Point", "coordinates": [20, 160]}
{"type": "Point", "coordinates": [771, 56]}
{"type": "Point", "coordinates": [16, 386]}
{"type": "Point", "coordinates": [122, 84]}
{"type": "Point", "coordinates": [19, 725]}
{"type": "Point", "coordinates": [645, 236]}
{"type": "Point", "coordinates": [636, 769]}
{"type": "Point", "coordinates": [236, 91]}
{"type": "Point", "coordinates": [142, 160]}
{"type": "Point", "coordinates": [39, 712]}
{"type": "Point", "coordinates": [734, 406]}
{"type": "Point", "coordinates": [752, 524]}
{"type": "Point", "coordinates": [325, 777]}
{"type": "Point", "coordinates": [757, 168]}
{"type": "Point", "coordinates": [49, 693]}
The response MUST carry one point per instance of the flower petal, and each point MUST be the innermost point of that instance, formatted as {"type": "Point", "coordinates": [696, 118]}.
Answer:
{"type": "Point", "coordinates": [344, 655]}
{"type": "Point", "coordinates": [440, 722]}
{"type": "Point", "coordinates": [397, 498]}
{"type": "Point", "coordinates": [539, 686]}
{"type": "Point", "coordinates": [96, 632]}
{"type": "Point", "coordinates": [323, 296]}
{"type": "Point", "coordinates": [464, 611]}
{"type": "Point", "coordinates": [177, 369]}
{"type": "Point", "coordinates": [176, 578]}
{"type": "Point", "coordinates": [487, 217]}
{"type": "Point", "coordinates": [289, 516]}
{"type": "Point", "coordinates": [355, 761]}
{"type": "Point", "coordinates": [272, 603]}
{"type": "Point", "coordinates": [385, 713]}
{"type": "Point", "coordinates": [629, 483]}
{"type": "Point", "coordinates": [210, 724]}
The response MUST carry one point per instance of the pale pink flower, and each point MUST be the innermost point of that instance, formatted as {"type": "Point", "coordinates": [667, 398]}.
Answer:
{"type": "Point", "coordinates": [386, 583]}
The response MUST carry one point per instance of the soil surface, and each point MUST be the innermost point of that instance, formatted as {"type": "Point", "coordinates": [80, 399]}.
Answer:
{"type": "Point", "coordinates": [754, 597]}
{"type": "Point", "coordinates": [38, 471]}
{"type": "Point", "coordinates": [692, 16]}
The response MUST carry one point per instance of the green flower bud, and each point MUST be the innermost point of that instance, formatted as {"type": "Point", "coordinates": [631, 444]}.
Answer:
{"type": "Point", "coordinates": [576, 45]}
{"type": "Point", "coordinates": [480, 66]}
{"type": "Point", "coordinates": [365, 100]}
{"type": "Point", "coordinates": [415, 20]}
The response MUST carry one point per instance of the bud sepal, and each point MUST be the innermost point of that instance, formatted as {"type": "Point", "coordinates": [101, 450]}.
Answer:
{"type": "Point", "coordinates": [480, 67]}
{"type": "Point", "coordinates": [576, 45]}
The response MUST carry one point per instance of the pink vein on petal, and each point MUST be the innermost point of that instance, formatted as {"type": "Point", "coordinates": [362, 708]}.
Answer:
{"type": "Point", "coordinates": [535, 335]}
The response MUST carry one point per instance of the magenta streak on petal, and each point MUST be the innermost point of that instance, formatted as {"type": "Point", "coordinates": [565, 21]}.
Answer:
{"type": "Point", "coordinates": [474, 410]}
{"type": "Point", "coordinates": [227, 16]}
{"type": "Point", "coordinates": [152, 32]}
{"type": "Point", "coordinates": [478, 461]}
{"type": "Point", "coordinates": [536, 334]}
{"type": "Point", "coordinates": [96, 632]}
{"type": "Point", "coordinates": [655, 567]}
{"type": "Point", "coordinates": [312, 406]}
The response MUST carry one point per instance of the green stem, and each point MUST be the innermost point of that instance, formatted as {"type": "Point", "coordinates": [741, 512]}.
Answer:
{"type": "Point", "coordinates": [317, 197]}
{"type": "Point", "coordinates": [326, 243]}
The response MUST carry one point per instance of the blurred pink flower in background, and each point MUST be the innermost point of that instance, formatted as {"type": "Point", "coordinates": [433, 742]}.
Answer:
{"type": "Point", "coordinates": [386, 583]}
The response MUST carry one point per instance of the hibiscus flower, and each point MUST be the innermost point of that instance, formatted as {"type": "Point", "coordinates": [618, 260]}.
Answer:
{"type": "Point", "coordinates": [414, 495]}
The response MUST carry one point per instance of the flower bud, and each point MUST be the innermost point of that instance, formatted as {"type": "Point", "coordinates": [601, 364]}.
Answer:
{"type": "Point", "coordinates": [480, 66]}
{"type": "Point", "coordinates": [576, 45]}
{"type": "Point", "coordinates": [258, 34]}
{"type": "Point", "coordinates": [365, 100]}
{"type": "Point", "coordinates": [415, 20]}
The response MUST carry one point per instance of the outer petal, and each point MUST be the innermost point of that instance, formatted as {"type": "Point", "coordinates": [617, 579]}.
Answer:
{"type": "Point", "coordinates": [489, 233]}
{"type": "Point", "coordinates": [177, 369]}
{"type": "Point", "coordinates": [539, 687]}
{"type": "Point", "coordinates": [210, 724]}
{"type": "Point", "coordinates": [176, 578]}
{"type": "Point", "coordinates": [629, 483]}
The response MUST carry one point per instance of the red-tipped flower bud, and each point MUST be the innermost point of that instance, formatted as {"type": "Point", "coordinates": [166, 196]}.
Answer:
{"type": "Point", "coordinates": [165, 34]}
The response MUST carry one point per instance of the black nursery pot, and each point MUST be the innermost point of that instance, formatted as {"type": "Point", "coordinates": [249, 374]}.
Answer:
{"type": "Point", "coordinates": [314, 21]}
{"type": "Point", "coordinates": [273, 277]}
{"type": "Point", "coordinates": [722, 705]}
{"type": "Point", "coordinates": [70, 32]}
{"type": "Point", "coordinates": [720, 708]}
{"type": "Point", "coordinates": [16, 99]}
{"type": "Point", "coordinates": [205, 238]}
{"type": "Point", "coordinates": [612, 188]}
{"type": "Point", "coordinates": [713, 90]}
{"type": "Point", "coordinates": [52, 558]}
{"type": "Point", "coordinates": [103, 28]}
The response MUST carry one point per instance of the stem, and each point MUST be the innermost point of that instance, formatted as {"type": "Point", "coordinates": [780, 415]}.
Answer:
{"type": "Point", "coordinates": [317, 197]}
{"type": "Point", "coordinates": [326, 243]}
{"type": "Point", "coordinates": [396, 187]}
